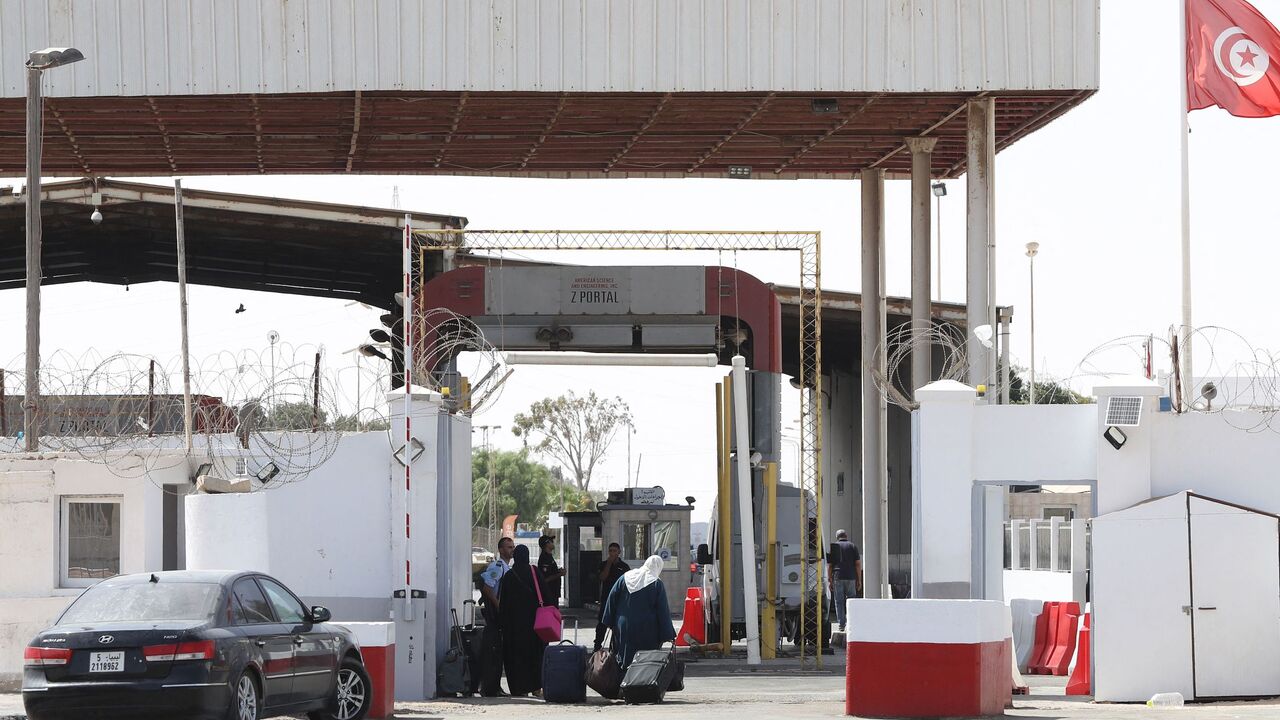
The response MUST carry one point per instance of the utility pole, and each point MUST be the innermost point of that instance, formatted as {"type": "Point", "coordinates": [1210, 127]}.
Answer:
{"type": "Point", "coordinates": [493, 484]}
{"type": "Point", "coordinates": [182, 311]}
{"type": "Point", "coordinates": [1033, 248]}
{"type": "Point", "coordinates": [37, 63]}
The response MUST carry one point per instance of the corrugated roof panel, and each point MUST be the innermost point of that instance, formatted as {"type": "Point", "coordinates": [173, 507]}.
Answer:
{"type": "Point", "coordinates": [176, 47]}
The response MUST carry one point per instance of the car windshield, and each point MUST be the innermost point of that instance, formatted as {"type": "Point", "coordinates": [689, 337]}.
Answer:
{"type": "Point", "coordinates": [144, 602]}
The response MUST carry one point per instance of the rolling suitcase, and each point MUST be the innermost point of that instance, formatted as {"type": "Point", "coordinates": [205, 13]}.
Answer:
{"type": "Point", "coordinates": [564, 673]}
{"type": "Point", "coordinates": [454, 674]}
{"type": "Point", "coordinates": [648, 677]}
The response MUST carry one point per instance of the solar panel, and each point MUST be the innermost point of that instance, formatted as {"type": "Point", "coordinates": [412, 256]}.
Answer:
{"type": "Point", "coordinates": [1124, 411]}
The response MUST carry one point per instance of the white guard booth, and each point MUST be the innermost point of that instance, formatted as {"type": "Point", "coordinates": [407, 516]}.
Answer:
{"type": "Point", "coordinates": [1186, 598]}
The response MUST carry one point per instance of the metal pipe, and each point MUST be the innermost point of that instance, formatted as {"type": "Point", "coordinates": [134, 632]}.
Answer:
{"type": "Point", "coordinates": [536, 357]}
{"type": "Point", "coordinates": [182, 311]}
{"type": "Point", "coordinates": [769, 620]}
{"type": "Point", "coordinates": [750, 593]}
{"type": "Point", "coordinates": [35, 141]}
{"type": "Point", "coordinates": [315, 396]}
{"type": "Point", "coordinates": [921, 304]}
{"type": "Point", "coordinates": [724, 534]}
{"type": "Point", "coordinates": [1032, 388]}
{"type": "Point", "coordinates": [1006, 315]}
{"type": "Point", "coordinates": [151, 399]}
{"type": "Point", "coordinates": [4, 408]}
{"type": "Point", "coordinates": [1187, 379]}
{"type": "Point", "coordinates": [980, 239]}
{"type": "Point", "coordinates": [875, 450]}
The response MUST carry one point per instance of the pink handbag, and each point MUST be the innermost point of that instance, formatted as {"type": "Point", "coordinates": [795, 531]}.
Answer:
{"type": "Point", "coordinates": [547, 622]}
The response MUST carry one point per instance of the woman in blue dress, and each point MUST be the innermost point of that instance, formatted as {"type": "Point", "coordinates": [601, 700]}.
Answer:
{"type": "Point", "coordinates": [638, 613]}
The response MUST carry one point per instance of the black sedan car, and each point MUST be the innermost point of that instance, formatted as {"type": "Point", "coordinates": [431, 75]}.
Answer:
{"type": "Point", "coordinates": [190, 644]}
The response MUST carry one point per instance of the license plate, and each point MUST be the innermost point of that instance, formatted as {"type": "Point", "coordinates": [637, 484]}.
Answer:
{"type": "Point", "coordinates": [106, 662]}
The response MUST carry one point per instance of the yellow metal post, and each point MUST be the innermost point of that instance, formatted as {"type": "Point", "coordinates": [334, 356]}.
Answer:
{"type": "Point", "coordinates": [724, 418]}
{"type": "Point", "coordinates": [768, 617]}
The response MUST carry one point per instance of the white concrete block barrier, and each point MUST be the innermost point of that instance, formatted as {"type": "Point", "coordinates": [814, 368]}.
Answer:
{"type": "Point", "coordinates": [928, 658]}
{"type": "Point", "coordinates": [378, 647]}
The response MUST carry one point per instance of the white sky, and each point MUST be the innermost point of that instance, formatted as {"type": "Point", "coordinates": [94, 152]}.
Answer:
{"type": "Point", "coordinates": [1097, 188]}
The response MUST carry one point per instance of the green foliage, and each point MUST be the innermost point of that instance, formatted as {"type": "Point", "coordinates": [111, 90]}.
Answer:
{"type": "Point", "coordinates": [525, 488]}
{"type": "Point", "coordinates": [574, 431]}
{"type": "Point", "coordinates": [293, 416]}
{"type": "Point", "coordinates": [1048, 392]}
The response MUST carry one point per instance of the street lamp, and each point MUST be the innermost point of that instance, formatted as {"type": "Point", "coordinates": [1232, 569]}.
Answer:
{"type": "Point", "coordinates": [37, 63]}
{"type": "Point", "coordinates": [1033, 248]}
{"type": "Point", "coordinates": [939, 191]}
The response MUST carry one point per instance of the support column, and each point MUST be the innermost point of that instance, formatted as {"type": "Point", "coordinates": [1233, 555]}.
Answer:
{"type": "Point", "coordinates": [921, 318]}
{"type": "Point", "coordinates": [875, 449]}
{"type": "Point", "coordinates": [981, 240]}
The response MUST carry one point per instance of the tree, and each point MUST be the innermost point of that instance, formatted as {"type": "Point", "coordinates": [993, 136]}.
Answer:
{"type": "Point", "coordinates": [524, 487]}
{"type": "Point", "coordinates": [574, 431]}
{"type": "Point", "coordinates": [293, 416]}
{"type": "Point", "coordinates": [1048, 392]}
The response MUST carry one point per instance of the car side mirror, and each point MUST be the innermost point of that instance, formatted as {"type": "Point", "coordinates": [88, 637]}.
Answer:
{"type": "Point", "coordinates": [320, 614]}
{"type": "Point", "coordinates": [704, 555]}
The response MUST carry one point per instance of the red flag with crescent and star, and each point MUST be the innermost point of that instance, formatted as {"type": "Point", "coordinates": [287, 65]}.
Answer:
{"type": "Point", "coordinates": [1233, 58]}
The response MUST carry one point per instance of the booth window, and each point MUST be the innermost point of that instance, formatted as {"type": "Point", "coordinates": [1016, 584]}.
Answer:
{"type": "Point", "coordinates": [635, 541]}
{"type": "Point", "coordinates": [90, 540]}
{"type": "Point", "coordinates": [666, 536]}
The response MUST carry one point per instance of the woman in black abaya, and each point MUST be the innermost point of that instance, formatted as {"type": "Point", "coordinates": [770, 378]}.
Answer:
{"type": "Point", "coordinates": [521, 648]}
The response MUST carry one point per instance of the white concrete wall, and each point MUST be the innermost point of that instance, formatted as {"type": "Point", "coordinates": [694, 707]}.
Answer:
{"type": "Point", "coordinates": [1033, 444]}
{"type": "Point", "coordinates": [31, 489]}
{"type": "Point", "coordinates": [1214, 455]}
{"type": "Point", "coordinates": [318, 534]}
{"type": "Point", "coordinates": [1038, 585]}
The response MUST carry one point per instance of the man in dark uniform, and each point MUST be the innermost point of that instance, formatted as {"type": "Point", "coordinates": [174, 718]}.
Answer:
{"type": "Point", "coordinates": [491, 640]}
{"type": "Point", "coordinates": [844, 569]}
{"type": "Point", "coordinates": [610, 570]}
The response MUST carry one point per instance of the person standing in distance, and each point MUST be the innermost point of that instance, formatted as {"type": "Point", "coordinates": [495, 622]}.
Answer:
{"type": "Point", "coordinates": [845, 573]}
{"type": "Point", "coordinates": [610, 570]}
{"type": "Point", "coordinates": [491, 640]}
{"type": "Point", "coordinates": [551, 573]}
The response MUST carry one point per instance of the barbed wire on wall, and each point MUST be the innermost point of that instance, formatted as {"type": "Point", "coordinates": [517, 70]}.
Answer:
{"type": "Point", "coordinates": [1232, 375]}
{"type": "Point", "coordinates": [275, 414]}
{"type": "Point", "coordinates": [945, 339]}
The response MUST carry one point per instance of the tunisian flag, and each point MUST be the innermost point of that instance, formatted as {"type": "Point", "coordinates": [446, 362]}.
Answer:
{"type": "Point", "coordinates": [1233, 58]}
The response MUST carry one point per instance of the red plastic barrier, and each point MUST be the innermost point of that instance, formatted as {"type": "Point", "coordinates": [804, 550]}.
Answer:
{"type": "Point", "coordinates": [1064, 644]}
{"type": "Point", "coordinates": [694, 623]}
{"type": "Point", "coordinates": [1038, 665]}
{"type": "Point", "coordinates": [1079, 682]}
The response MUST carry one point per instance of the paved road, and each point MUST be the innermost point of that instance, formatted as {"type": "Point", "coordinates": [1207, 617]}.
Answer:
{"type": "Point", "coordinates": [727, 692]}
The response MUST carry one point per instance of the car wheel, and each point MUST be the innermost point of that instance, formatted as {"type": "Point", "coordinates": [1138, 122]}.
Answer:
{"type": "Point", "coordinates": [246, 699]}
{"type": "Point", "coordinates": [352, 694]}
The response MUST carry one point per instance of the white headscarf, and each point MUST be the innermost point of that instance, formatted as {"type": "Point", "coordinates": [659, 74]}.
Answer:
{"type": "Point", "coordinates": [645, 575]}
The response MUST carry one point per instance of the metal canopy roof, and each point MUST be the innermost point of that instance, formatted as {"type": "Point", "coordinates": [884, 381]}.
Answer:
{"type": "Point", "coordinates": [235, 241]}
{"type": "Point", "coordinates": [776, 134]}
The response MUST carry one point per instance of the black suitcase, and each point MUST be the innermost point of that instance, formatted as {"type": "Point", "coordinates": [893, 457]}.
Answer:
{"type": "Point", "coordinates": [648, 677]}
{"type": "Point", "coordinates": [564, 673]}
{"type": "Point", "coordinates": [471, 644]}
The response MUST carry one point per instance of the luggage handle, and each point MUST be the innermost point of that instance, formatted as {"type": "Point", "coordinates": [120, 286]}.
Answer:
{"type": "Point", "coordinates": [457, 630]}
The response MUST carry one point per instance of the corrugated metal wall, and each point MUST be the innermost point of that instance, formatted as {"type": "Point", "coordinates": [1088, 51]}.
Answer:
{"type": "Point", "coordinates": [180, 47]}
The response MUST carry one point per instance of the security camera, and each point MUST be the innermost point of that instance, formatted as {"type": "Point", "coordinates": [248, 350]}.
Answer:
{"type": "Point", "coordinates": [96, 217]}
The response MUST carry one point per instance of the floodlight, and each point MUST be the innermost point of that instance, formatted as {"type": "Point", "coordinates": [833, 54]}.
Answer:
{"type": "Point", "coordinates": [939, 189]}
{"type": "Point", "coordinates": [54, 57]}
{"type": "Point", "coordinates": [1032, 249]}
{"type": "Point", "coordinates": [740, 172]}
{"type": "Point", "coordinates": [1115, 436]}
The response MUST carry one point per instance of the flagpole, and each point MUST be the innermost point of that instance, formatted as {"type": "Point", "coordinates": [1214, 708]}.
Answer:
{"type": "Point", "coordinates": [1187, 380]}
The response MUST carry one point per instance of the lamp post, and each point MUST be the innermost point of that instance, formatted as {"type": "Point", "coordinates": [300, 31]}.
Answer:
{"type": "Point", "coordinates": [37, 63]}
{"type": "Point", "coordinates": [631, 430]}
{"type": "Point", "coordinates": [1033, 248]}
{"type": "Point", "coordinates": [939, 191]}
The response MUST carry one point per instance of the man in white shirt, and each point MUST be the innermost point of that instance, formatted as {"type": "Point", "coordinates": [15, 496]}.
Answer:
{"type": "Point", "coordinates": [491, 640]}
